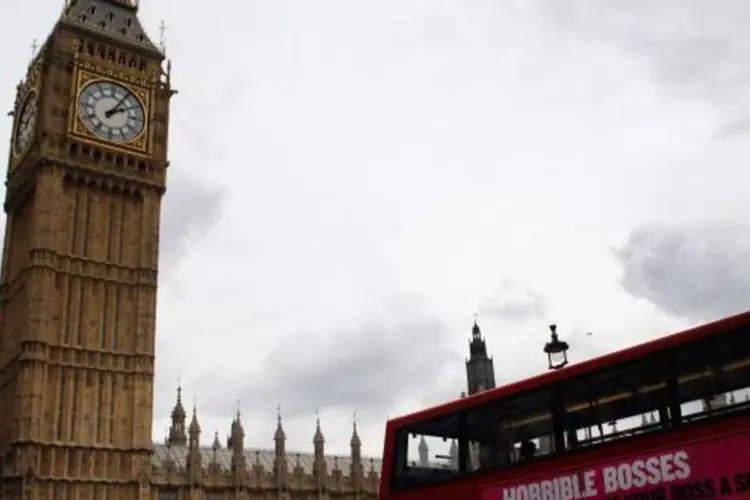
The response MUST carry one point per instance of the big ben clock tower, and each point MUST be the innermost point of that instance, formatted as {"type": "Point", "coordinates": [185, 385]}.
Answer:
{"type": "Point", "coordinates": [86, 175]}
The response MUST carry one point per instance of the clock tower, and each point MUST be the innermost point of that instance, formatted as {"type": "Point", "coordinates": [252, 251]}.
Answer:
{"type": "Point", "coordinates": [86, 175]}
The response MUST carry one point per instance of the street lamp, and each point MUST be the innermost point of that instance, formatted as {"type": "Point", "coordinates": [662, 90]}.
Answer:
{"type": "Point", "coordinates": [557, 350]}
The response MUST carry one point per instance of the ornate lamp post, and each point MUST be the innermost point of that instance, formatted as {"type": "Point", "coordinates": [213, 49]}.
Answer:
{"type": "Point", "coordinates": [557, 350]}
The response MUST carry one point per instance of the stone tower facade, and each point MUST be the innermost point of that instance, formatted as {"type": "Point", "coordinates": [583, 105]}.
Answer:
{"type": "Point", "coordinates": [86, 175]}
{"type": "Point", "coordinates": [480, 371]}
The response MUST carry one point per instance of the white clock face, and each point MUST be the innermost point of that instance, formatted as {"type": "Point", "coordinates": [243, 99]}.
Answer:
{"type": "Point", "coordinates": [26, 123]}
{"type": "Point", "coordinates": [111, 111]}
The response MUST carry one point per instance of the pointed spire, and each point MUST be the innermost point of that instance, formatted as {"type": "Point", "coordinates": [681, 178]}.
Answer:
{"type": "Point", "coordinates": [480, 370]}
{"type": "Point", "coordinates": [238, 446]}
{"type": "Point", "coordinates": [215, 447]}
{"type": "Point", "coordinates": [477, 346]}
{"type": "Point", "coordinates": [237, 434]}
{"type": "Point", "coordinates": [279, 462]}
{"type": "Point", "coordinates": [195, 428]}
{"type": "Point", "coordinates": [193, 461]}
{"type": "Point", "coordinates": [424, 452]}
{"type": "Point", "coordinates": [476, 333]}
{"type": "Point", "coordinates": [279, 435]}
{"type": "Point", "coordinates": [237, 431]}
{"type": "Point", "coordinates": [176, 436]}
{"type": "Point", "coordinates": [356, 470]}
{"type": "Point", "coordinates": [355, 441]}
{"type": "Point", "coordinates": [162, 37]}
{"type": "Point", "coordinates": [319, 461]}
{"type": "Point", "coordinates": [318, 437]}
{"type": "Point", "coordinates": [178, 411]}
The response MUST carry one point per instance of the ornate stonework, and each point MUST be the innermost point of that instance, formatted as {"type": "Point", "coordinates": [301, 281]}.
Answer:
{"type": "Point", "coordinates": [183, 466]}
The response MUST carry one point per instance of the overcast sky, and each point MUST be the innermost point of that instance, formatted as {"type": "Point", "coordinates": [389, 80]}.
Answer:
{"type": "Point", "coordinates": [351, 180]}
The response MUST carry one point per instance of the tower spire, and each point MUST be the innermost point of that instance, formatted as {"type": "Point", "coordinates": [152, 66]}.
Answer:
{"type": "Point", "coordinates": [162, 37]}
{"type": "Point", "coordinates": [279, 461]}
{"type": "Point", "coordinates": [480, 371]}
{"type": "Point", "coordinates": [238, 445]}
{"type": "Point", "coordinates": [34, 48]}
{"type": "Point", "coordinates": [319, 461]}
{"type": "Point", "coordinates": [177, 431]}
{"type": "Point", "coordinates": [279, 435]}
{"type": "Point", "coordinates": [356, 471]}
{"type": "Point", "coordinates": [193, 460]}
{"type": "Point", "coordinates": [318, 437]}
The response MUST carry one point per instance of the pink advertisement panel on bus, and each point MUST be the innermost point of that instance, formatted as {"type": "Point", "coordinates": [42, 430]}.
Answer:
{"type": "Point", "coordinates": [718, 468]}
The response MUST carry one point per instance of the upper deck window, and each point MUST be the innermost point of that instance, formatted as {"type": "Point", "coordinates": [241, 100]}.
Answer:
{"type": "Point", "coordinates": [428, 452]}
{"type": "Point", "coordinates": [512, 430]}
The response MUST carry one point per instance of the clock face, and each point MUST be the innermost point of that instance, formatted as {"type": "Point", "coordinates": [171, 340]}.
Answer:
{"type": "Point", "coordinates": [111, 111]}
{"type": "Point", "coordinates": [26, 123]}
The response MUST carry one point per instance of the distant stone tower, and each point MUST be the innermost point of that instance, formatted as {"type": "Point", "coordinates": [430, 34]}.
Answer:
{"type": "Point", "coordinates": [480, 371]}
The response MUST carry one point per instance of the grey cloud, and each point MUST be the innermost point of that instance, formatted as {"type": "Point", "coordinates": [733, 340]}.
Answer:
{"type": "Point", "coordinates": [365, 367]}
{"type": "Point", "coordinates": [699, 49]}
{"type": "Point", "coordinates": [733, 128]}
{"type": "Point", "coordinates": [692, 271]}
{"type": "Point", "coordinates": [189, 210]}
{"type": "Point", "coordinates": [513, 301]}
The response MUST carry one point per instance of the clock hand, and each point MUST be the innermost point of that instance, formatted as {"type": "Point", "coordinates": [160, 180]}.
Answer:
{"type": "Point", "coordinates": [116, 111]}
{"type": "Point", "coordinates": [114, 108]}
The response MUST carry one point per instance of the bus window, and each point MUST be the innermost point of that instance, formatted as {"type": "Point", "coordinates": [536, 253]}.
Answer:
{"type": "Point", "coordinates": [428, 452]}
{"type": "Point", "coordinates": [714, 376]}
{"type": "Point", "coordinates": [621, 401]}
{"type": "Point", "coordinates": [510, 431]}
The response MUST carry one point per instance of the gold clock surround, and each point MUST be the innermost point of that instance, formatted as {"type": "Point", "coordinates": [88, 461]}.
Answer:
{"type": "Point", "coordinates": [80, 130]}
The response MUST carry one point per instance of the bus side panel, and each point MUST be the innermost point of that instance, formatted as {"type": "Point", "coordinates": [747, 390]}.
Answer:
{"type": "Point", "coordinates": [472, 487]}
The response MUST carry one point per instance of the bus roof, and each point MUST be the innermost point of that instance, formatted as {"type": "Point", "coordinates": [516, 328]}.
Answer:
{"type": "Point", "coordinates": [628, 354]}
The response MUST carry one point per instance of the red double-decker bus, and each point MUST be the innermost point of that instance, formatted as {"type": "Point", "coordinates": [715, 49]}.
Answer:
{"type": "Point", "coordinates": [669, 419]}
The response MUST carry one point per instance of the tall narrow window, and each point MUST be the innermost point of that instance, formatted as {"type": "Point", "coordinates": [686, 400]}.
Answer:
{"type": "Point", "coordinates": [60, 405]}
{"type": "Point", "coordinates": [74, 229]}
{"type": "Point", "coordinates": [74, 406]}
{"type": "Point", "coordinates": [112, 409]}
{"type": "Point", "coordinates": [121, 237]}
{"type": "Point", "coordinates": [104, 325]}
{"type": "Point", "coordinates": [86, 226]}
{"type": "Point", "coordinates": [80, 324]}
{"type": "Point", "coordinates": [116, 319]}
{"type": "Point", "coordinates": [110, 229]}
{"type": "Point", "coordinates": [65, 322]}
{"type": "Point", "coordinates": [99, 406]}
